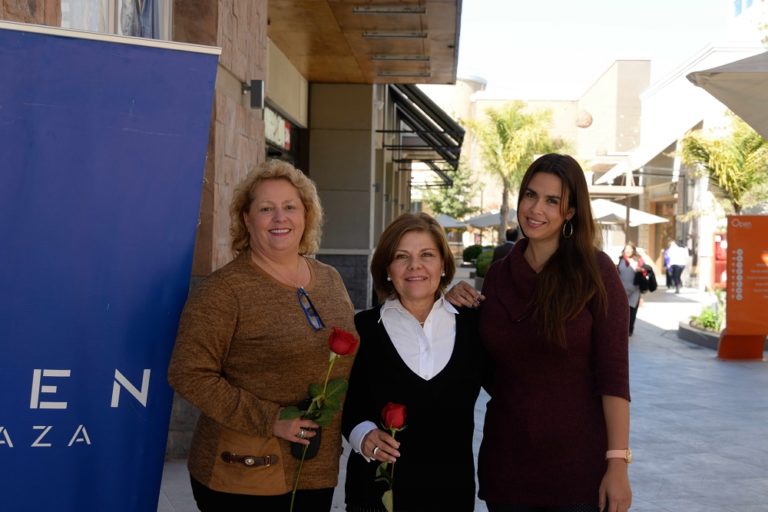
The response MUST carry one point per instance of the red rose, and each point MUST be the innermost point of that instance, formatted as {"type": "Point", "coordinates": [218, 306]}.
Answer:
{"type": "Point", "coordinates": [341, 342]}
{"type": "Point", "coordinates": [393, 416]}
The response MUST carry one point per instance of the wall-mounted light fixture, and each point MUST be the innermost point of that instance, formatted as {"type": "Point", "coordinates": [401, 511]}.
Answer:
{"type": "Point", "coordinates": [256, 88]}
{"type": "Point", "coordinates": [406, 34]}
{"type": "Point", "coordinates": [389, 9]}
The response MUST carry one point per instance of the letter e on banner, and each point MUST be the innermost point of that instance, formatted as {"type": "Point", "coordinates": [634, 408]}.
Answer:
{"type": "Point", "coordinates": [37, 388]}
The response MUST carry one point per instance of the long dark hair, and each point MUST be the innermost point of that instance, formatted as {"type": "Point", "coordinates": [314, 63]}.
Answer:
{"type": "Point", "coordinates": [571, 276]}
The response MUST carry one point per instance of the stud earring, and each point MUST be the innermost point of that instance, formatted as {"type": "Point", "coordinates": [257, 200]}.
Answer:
{"type": "Point", "coordinates": [443, 274]}
{"type": "Point", "coordinates": [389, 278]}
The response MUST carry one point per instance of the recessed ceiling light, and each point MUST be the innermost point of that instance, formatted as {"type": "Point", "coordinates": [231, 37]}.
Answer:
{"type": "Point", "coordinates": [389, 9]}
{"type": "Point", "coordinates": [413, 34]}
{"type": "Point", "coordinates": [385, 56]}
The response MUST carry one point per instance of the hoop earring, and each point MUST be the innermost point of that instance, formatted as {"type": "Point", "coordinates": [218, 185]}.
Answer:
{"type": "Point", "coordinates": [569, 229]}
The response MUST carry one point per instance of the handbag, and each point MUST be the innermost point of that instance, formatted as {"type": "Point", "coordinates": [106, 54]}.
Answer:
{"type": "Point", "coordinates": [641, 281]}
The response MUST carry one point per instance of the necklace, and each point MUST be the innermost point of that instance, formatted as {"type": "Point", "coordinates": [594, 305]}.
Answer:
{"type": "Point", "coordinates": [296, 281]}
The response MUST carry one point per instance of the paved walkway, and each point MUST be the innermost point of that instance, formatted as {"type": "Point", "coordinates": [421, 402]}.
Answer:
{"type": "Point", "coordinates": [699, 424]}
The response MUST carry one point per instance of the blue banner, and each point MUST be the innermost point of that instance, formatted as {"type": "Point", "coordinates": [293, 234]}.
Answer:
{"type": "Point", "coordinates": [102, 150]}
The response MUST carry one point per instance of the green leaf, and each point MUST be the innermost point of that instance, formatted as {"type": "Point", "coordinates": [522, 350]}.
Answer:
{"type": "Point", "coordinates": [324, 417]}
{"type": "Point", "coordinates": [332, 402]}
{"type": "Point", "coordinates": [315, 390]}
{"type": "Point", "coordinates": [388, 501]}
{"type": "Point", "coordinates": [290, 413]}
{"type": "Point", "coordinates": [381, 471]}
{"type": "Point", "coordinates": [336, 388]}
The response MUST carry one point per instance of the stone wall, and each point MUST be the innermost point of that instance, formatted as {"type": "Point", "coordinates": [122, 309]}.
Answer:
{"type": "Point", "coordinates": [235, 144]}
{"type": "Point", "coordinates": [39, 12]}
{"type": "Point", "coordinates": [354, 271]}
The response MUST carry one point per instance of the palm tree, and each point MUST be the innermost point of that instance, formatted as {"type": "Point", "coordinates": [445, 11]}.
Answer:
{"type": "Point", "coordinates": [736, 164]}
{"type": "Point", "coordinates": [509, 139]}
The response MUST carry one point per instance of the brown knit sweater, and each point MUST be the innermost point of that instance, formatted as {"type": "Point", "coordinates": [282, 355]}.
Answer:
{"type": "Point", "coordinates": [244, 350]}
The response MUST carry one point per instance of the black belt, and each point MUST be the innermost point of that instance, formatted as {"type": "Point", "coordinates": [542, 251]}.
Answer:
{"type": "Point", "coordinates": [248, 460]}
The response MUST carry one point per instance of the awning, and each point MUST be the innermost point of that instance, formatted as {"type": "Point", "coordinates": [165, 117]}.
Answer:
{"type": "Point", "coordinates": [635, 160]}
{"type": "Point", "coordinates": [449, 222]}
{"type": "Point", "coordinates": [608, 212]}
{"type": "Point", "coordinates": [428, 134]}
{"type": "Point", "coordinates": [491, 219]}
{"type": "Point", "coordinates": [742, 87]}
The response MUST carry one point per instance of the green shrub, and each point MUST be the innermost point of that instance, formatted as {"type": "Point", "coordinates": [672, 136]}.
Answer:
{"type": "Point", "coordinates": [472, 252]}
{"type": "Point", "coordinates": [483, 262]}
{"type": "Point", "coordinates": [707, 320]}
{"type": "Point", "coordinates": [711, 317]}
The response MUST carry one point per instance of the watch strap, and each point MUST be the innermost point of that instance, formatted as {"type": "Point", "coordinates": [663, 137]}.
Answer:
{"type": "Point", "coordinates": [620, 454]}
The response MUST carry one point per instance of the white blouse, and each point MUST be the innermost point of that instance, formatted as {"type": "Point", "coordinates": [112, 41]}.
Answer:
{"type": "Point", "coordinates": [425, 350]}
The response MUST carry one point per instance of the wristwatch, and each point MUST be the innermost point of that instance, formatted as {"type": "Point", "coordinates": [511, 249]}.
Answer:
{"type": "Point", "coordinates": [620, 454]}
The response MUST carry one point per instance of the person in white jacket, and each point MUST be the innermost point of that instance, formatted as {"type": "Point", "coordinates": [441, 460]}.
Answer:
{"type": "Point", "coordinates": [678, 258]}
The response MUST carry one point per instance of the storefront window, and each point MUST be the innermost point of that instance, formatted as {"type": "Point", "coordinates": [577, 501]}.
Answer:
{"type": "Point", "coordinates": [139, 18]}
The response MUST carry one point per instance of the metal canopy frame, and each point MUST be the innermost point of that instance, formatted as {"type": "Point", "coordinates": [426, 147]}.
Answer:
{"type": "Point", "coordinates": [432, 137]}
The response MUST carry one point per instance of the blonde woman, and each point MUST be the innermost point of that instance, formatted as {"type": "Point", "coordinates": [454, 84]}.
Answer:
{"type": "Point", "coordinates": [252, 337]}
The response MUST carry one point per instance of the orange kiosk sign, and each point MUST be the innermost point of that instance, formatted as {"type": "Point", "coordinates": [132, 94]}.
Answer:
{"type": "Point", "coordinates": [747, 288]}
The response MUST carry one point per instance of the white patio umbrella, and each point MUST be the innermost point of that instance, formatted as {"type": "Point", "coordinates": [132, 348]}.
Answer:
{"type": "Point", "coordinates": [608, 212]}
{"type": "Point", "coordinates": [449, 222]}
{"type": "Point", "coordinates": [742, 86]}
{"type": "Point", "coordinates": [490, 219]}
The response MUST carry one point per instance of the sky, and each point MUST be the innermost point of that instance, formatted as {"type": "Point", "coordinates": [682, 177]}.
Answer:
{"type": "Point", "coordinates": [556, 49]}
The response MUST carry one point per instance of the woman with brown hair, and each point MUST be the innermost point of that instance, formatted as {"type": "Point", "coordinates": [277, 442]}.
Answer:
{"type": "Point", "coordinates": [554, 321]}
{"type": "Point", "coordinates": [630, 263]}
{"type": "Point", "coordinates": [419, 351]}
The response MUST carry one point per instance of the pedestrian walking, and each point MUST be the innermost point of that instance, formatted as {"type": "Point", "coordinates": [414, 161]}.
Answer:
{"type": "Point", "coordinates": [630, 263]}
{"type": "Point", "coordinates": [678, 259]}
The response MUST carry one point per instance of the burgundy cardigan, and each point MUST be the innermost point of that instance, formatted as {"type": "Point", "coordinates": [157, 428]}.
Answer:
{"type": "Point", "coordinates": [544, 438]}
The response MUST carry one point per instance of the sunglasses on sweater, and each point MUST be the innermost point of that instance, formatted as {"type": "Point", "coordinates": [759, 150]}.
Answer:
{"type": "Point", "coordinates": [313, 318]}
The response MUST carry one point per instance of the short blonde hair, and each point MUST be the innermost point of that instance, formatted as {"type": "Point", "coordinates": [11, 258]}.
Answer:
{"type": "Point", "coordinates": [243, 197]}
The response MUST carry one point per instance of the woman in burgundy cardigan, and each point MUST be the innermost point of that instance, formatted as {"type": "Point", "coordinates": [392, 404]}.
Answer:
{"type": "Point", "coordinates": [554, 321]}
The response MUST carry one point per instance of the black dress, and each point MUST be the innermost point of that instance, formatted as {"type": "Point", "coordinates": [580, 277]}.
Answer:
{"type": "Point", "coordinates": [436, 470]}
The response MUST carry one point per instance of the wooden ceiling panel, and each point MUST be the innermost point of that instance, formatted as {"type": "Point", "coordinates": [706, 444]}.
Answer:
{"type": "Point", "coordinates": [324, 40]}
